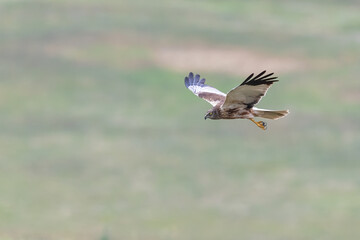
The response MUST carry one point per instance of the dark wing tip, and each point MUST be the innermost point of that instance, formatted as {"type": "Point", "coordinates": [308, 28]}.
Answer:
{"type": "Point", "coordinates": [260, 74]}
{"type": "Point", "coordinates": [193, 80]}
{"type": "Point", "coordinates": [260, 79]}
{"type": "Point", "coordinates": [187, 83]}
{"type": "Point", "coordinates": [197, 77]}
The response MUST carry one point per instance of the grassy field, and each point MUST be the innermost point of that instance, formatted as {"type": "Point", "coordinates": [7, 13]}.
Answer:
{"type": "Point", "coordinates": [101, 140]}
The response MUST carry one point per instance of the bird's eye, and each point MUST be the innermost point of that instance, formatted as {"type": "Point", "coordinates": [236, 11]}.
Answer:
{"type": "Point", "coordinates": [210, 113]}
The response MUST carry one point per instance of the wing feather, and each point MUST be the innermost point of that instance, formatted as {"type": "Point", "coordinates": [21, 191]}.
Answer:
{"type": "Point", "coordinates": [250, 92]}
{"type": "Point", "coordinates": [206, 92]}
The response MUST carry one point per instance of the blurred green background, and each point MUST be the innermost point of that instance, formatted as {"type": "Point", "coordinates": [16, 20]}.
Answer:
{"type": "Point", "coordinates": [100, 139]}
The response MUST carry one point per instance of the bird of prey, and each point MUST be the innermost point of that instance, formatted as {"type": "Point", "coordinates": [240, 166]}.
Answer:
{"type": "Point", "coordinates": [240, 101]}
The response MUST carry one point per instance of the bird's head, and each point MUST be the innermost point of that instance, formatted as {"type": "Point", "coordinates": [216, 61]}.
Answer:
{"type": "Point", "coordinates": [212, 114]}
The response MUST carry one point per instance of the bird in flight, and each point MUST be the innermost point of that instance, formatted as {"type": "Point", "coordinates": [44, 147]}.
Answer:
{"type": "Point", "coordinates": [240, 101]}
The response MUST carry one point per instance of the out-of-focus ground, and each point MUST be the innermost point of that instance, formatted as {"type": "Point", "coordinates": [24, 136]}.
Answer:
{"type": "Point", "coordinates": [101, 140]}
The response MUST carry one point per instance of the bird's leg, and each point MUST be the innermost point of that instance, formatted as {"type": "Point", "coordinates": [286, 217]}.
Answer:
{"type": "Point", "coordinates": [260, 124]}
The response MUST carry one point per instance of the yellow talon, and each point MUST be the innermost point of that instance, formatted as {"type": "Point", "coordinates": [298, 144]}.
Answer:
{"type": "Point", "coordinates": [260, 124]}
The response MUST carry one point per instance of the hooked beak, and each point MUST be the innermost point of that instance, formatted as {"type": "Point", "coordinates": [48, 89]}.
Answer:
{"type": "Point", "coordinates": [206, 116]}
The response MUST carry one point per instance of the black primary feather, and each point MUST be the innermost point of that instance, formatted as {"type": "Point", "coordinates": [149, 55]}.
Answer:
{"type": "Point", "coordinates": [259, 79]}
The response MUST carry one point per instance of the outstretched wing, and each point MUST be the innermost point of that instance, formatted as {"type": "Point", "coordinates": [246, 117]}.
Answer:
{"type": "Point", "coordinates": [209, 94]}
{"type": "Point", "coordinates": [250, 92]}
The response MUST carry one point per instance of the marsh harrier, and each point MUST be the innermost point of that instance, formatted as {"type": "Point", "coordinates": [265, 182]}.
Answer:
{"type": "Point", "coordinates": [240, 101]}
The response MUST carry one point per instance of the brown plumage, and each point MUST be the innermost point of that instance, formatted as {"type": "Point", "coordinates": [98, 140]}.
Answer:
{"type": "Point", "coordinates": [240, 101]}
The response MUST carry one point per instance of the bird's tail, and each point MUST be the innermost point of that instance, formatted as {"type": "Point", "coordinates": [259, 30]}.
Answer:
{"type": "Point", "coordinates": [270, 114]}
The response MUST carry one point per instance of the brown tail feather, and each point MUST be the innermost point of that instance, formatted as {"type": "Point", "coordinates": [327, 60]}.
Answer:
{"type": "Point", "coordinates": [270, 114]}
